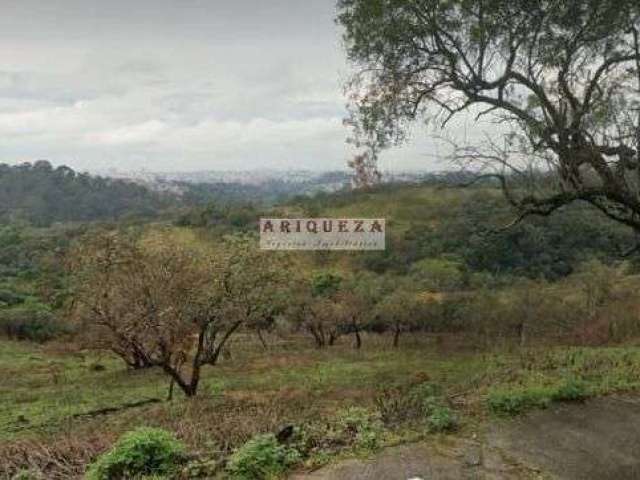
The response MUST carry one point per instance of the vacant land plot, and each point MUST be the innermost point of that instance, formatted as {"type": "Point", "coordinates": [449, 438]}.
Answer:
{"type": "Point", "coordinates": [69, 407]}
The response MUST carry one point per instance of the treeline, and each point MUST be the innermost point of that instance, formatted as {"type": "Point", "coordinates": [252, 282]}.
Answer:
{"type": "Point", "coordinates": [449, 266]}
{"type": "Point", "coordinates": [41, 194]}
{"type": "Point", "coordinates": [269, 192]}
{"type": "Point", "coordinates": [468, 227]}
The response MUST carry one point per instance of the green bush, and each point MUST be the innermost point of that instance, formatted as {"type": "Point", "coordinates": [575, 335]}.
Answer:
{"type": "Point", "coordinates": [513, 402]}
{"type": "Point", "coordinates": [572, 390]}
{"type": "Point", "coordinates": [31, 322]}
{"type": "Point", "coordinates": [141, 452]}
{"type": "Point", "coordinates": [261, 458]}
{"type": "Point", "coordinates": [359, 423]}
{"type": "Point", "coordinates": [442, 419]}
{"type": "Point", "coordinates": [426, 397]}
{"type": "Point", "coordinates": [10, 298]}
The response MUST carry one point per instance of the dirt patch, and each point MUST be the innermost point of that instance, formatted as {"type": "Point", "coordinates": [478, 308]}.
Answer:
{"type": "Point", "coordinates": [597, 440]}
{"type": "Point", "coordinates": [456, 460]}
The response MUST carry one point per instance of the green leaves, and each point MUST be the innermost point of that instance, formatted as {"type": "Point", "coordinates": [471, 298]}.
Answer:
{"type": "Point", "coordinates": [144, 451]}
{"type": "Point", "coordinates": [261, 458]}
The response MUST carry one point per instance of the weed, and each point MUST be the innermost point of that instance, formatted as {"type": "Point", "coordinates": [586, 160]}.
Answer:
{"type": "Point", "coordinates": [262, 458]}
{"type": "Point", "coordinates": [514, 402]}
{"type": "Point", "coordinates": [442, 419]}
{"type": "Point", "coordinates": [144, 451]}
{"type": "Point", "coordinates": [353, 428]}
{"type": "Point", "coordinates": [571, 390]}
{"type": "Point", "coordinates": [363, 425]}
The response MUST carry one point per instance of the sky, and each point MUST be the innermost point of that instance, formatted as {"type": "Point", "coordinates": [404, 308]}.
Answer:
{"type": "Point", "coordinates": [179, 85]}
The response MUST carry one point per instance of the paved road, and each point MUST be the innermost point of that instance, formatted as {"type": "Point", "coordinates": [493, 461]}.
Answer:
{"type": "Point", "coordinates": [598, 440]}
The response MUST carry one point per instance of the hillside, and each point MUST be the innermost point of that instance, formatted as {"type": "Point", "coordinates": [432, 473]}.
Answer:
{"type": "Point", "coordinates": [40, 194]}
{"type": "Point", "coordinates": [427, 221]}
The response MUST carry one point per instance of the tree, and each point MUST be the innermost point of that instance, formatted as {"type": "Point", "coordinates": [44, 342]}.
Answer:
{"type": "Point", "coordinates": [351, 309]}
{"type": "Point", "coordinates": [560, 77]}
{"type": "Point", "coordinates": [357, 300]}
{"type": "Point", "coordinates": [401, 311]}
{"type": "Point", "coordinates": [438, 274]}
{"type": "Point", "coordinates": [598, 283]}
{"type": "Point", "coordinates": [315, 308]}
{"type": "Point", "coordinates": [160, 303]}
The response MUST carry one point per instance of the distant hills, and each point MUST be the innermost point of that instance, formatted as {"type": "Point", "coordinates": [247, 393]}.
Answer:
{"type": "Point", "coordinates": [41, 194]}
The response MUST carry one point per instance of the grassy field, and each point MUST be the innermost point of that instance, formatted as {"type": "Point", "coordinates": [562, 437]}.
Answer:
{"type": "Point", "coordinates": [51, 399]}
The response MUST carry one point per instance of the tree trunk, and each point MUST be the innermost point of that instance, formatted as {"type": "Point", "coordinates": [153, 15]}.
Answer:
{"type": "Point", "coordinates": [396, 336]}
{"type": "Point", "coordinates": [170, 394]}
{"type": "Point", "coordinates": [189, 388]}
{"type": "Point", "coordinates": [358, 338]}
{"type": "Point", "coordinates": [262, 340]}
{"type": "Point", "coordinates": [195, 380]}
{"type": "Point", "coordinates": [316, 337]}
{"type": "Point", "coordinates": [522, 332]}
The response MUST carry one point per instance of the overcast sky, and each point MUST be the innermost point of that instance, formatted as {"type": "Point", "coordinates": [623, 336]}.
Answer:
{"type": "Point", "coordinates": [177, 85]}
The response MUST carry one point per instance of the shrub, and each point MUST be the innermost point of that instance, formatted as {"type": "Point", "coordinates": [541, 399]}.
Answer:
{"type": "Point", "coordinates": [33, 322]}
{"type": "Point", "coordinates": [424, 402]}
{"type": "Point", "coordinates": [442, 419]}
{"type": "Point", "coordinates": [353, 428]}
{"type": "Point", "coordinates": [261, 458]}
{"type": "Point", "coordinates": [365, 428]}
{"type": "Point", "coordinates": [10, 298]}
{"type": "Point", "coordinates": [571, 391]}
{"type": "Point", "coordinates": [141, 452]}
{"type": "Point", "coordinates": [513, 402]}
{"type": "Point", "coordinates": [202, 468]}
{"type": "Point", "coordinates": [426, 397]}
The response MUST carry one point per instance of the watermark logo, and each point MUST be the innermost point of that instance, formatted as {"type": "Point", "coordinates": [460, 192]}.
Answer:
{"type": "Point", "coordinates": [322, 233]}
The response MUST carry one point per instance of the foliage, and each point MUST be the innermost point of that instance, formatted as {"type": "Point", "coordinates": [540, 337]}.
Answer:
{"type": "Point", "coordinates": [518, 400]}
{"type": "Point", "coordinates": [41, 194]}
{"type": "Point", "coordinates": [571, 390]}
{"type": "Point", "coordinates": [144, 451]}
{"type": "Point", "coordinates": [32, 321]}
{"type": "Point", "coordinates": [561, 76]}
{"type": "Point", "coordinates": [260, 458]}
{"type": "Point", "coordinates": [441, 419]}
{"type": "Point", "coordinates": [155, 301]}
{"type": "Point", "coordinates": [352, 428]}
{"type": "Point", "coordinates": [513, 402]}
{"type": "Point", "coordinates": [362, 423]}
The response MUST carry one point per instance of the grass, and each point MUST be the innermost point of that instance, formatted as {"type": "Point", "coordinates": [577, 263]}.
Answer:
{"type": "Point", "coordinates": [259, 391]}
{"type": "Point", "coordinates": [44, 389]}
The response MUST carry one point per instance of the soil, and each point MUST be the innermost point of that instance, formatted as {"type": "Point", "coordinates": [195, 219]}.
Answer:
{"type": "Point", "coordinates": [595, 440]}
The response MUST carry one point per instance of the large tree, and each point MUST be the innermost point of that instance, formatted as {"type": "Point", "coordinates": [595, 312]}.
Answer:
{"type": "Point", "coordinates": [561, 78]}
{"type": "Point", "coordinates": [160, 302]}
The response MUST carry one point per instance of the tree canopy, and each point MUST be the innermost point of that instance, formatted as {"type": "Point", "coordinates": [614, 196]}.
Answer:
{"type": "Point", "coordinates": [561, 78]}
{"type": "Point", "coordinates": [42, 194]}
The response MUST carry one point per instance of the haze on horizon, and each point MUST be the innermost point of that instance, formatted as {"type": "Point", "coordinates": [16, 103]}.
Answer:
{"type": "Point", "coordinates": [178, 85]}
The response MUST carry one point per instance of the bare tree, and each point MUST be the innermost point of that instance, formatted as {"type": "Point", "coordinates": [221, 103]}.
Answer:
{"type": "Point", "coordinates": [560, 79]}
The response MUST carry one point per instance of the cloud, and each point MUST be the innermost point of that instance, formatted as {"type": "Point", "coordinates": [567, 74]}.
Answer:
{"type": "Point", "coordinates": [175, 85]}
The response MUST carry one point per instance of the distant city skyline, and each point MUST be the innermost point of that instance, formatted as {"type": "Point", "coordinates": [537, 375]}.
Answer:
{"type": "Point", "coordinates": [169, 85]}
